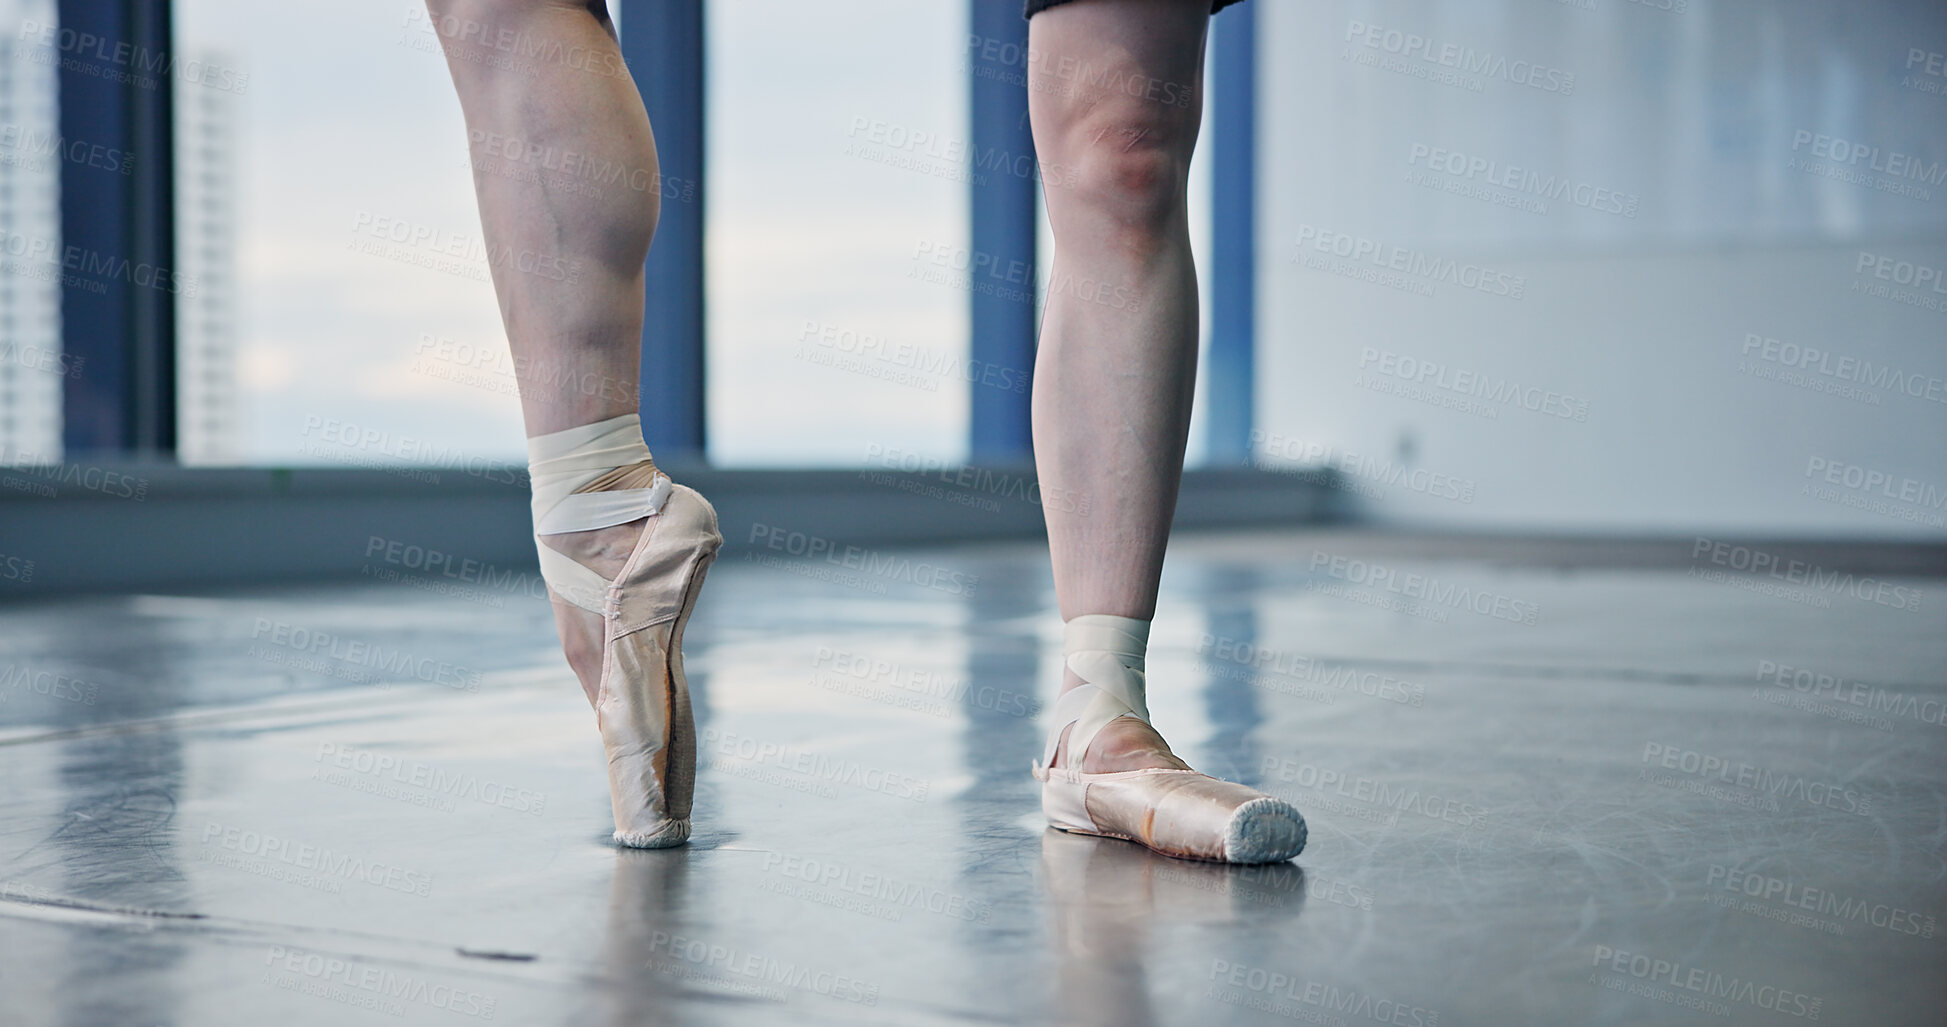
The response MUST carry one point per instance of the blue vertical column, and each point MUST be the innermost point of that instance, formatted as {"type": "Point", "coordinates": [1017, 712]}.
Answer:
{"type": "Point", "coordinates": [662, 41]}
{"type": "Point", "coordinates": [116, 253]}
{"type": "Point", "coordinates": [1230, 363]}
{"type": "Point", "coordinates": [1002, 213]}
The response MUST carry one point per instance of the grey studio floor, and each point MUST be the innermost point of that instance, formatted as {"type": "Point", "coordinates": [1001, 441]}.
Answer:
{"type": "Point", "coordinates": [1573, 795]}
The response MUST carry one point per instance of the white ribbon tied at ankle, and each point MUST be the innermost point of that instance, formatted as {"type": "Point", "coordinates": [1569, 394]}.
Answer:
{"type": "Point", "coordinates": [561, 462]}
{"type": "Point", "coordinates": [1108, 654]}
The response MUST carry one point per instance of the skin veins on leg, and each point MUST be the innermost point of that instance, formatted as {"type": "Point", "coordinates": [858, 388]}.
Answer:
{"type": "Point", "coordinates": [571, 286]}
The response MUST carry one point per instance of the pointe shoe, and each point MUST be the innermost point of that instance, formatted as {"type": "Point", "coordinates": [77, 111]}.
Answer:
{"type": "Point", "coordinates": [642, 704]}
{"type": "Point", "coordinates": [643, 707]}
{"type": "Point", "coordinates": [1178, 813]}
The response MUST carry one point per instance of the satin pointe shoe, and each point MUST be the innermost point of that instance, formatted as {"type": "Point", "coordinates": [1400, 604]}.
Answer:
{"type": "Point", "coordinates": [1179, 813]}
{"type": "Point", "coordinates": [642, 706]}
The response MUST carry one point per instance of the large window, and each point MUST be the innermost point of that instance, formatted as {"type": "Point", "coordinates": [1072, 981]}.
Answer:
{"type": "Point", "coordinates": [322, 205]}
{"type": "Point", "coordinates": [347, 317]}
{"type": "Point", "coordinates": [831, 187]}
{"type": "Point", "coordinates": [343, 314]}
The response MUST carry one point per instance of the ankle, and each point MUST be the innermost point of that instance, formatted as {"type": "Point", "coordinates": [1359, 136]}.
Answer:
{"type": "Point", "coordinates": [604, 550]}
{"type": "Point", "coordinates": [593, 486]}
{"type": "Point", "coordinates": [1121, 745]}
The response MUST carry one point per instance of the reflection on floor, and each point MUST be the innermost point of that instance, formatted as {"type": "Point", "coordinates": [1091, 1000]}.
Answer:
{"type": "Point", "coordinates": [1535, 796]}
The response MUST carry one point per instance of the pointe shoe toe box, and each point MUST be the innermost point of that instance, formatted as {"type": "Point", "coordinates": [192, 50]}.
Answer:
{"type": "Point", "coordinates": [1264, 830]}
{"type": "Point", "coordinates": [1178, 813]}
{"type": "Point", "coordinates": [668, 835]}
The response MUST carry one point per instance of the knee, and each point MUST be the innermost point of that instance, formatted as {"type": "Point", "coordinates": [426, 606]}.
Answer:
{"type": "Point", "coordinates": [1128, 171]}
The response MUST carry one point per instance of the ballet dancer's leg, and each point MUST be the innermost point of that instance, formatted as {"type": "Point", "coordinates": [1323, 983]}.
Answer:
{"type": "Point", "coordinates": [575, 343]}
{"type": "Point", "coordinates": [545, 92]}
{"type": "Point", "coordinates": [1115, 98]}
{"type": "Point", "coordinates": [1116, 367]}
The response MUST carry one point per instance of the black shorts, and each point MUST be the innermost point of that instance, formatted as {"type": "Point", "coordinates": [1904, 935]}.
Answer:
{"type": "Point", "coordinates": [1034, 7]}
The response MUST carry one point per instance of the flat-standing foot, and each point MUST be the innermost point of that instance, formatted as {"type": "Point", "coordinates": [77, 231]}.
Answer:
{"type": "Point", "coordinates": [1127, 784]}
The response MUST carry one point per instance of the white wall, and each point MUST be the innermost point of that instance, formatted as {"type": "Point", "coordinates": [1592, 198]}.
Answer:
{"type": "Point", "coordinates": [1640, 324]}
